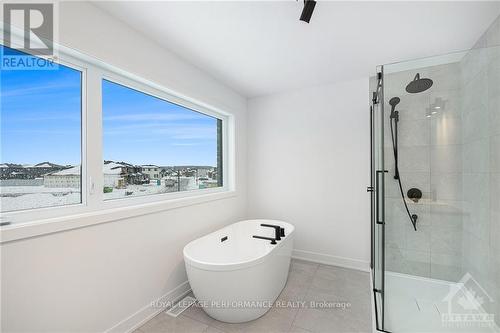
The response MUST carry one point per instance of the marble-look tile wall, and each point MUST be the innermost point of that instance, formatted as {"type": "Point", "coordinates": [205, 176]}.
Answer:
{"type": "Point", "coordinates": [451, 153]}
{"type": "Point", "coordinates": [480, 81]}
{"type": "Point", "coordinates": [430, 151]}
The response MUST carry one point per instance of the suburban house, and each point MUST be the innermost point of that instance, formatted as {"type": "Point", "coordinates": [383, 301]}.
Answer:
{"type": "Point", "coordinates": [152, 171]}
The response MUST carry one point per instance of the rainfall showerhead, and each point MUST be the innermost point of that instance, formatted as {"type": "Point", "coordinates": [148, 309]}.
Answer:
{"type": "Point", "coordinates": [418, 85]}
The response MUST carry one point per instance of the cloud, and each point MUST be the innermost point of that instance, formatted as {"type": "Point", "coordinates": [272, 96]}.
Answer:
{"type": "Point", "coordinates": [168, 131]}
{"type": "Point", "coordinates": [154, 116]}
{"type": "Point", "coordinates": [43, 117]}
{"type": "Point", "coordinates": [47, 132]}
{"type": "Point", "coordinates": [49, 88]}
{"type": "Point", "coordinates": [188, 144]}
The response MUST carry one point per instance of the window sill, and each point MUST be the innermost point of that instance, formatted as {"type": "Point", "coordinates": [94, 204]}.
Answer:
{"type": "Point", "coordinates": [53, 225]}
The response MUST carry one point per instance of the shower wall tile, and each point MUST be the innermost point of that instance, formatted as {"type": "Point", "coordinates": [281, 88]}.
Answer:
{"type": "Point", "coordinates": [477, 204]}
{"type": "Point", "coordinates": [477, 258]}
{"type": "Point", "coordinates": [475, 93]}
{"type": "Point", "coordinates": [446, 267]}
{"type": "Point", "coordinates": [476, 123]}
{"type": "Point", "coordinates": [447, 214]}
{"type": "Point", "coordinates": [430, 159]}
{"type": "Point", "coordinates": [447, 186]}
{"type": "Point", "coordinates": [495, 153]}
{"type": "Point", "coordinates": [417, 263]}
{"type": "Point", "coordinates": [412, 106]}
{"type": "Point", "coordinates": [492, 273]}
{"type": "Point", "coordinates": [482, 42]}
{"type": "Point", "coordinates": [446, 240]}
{"type": "Point", "coordinates": [394, 260]}
{"type": "Point", "coordinates": [451, 99]}
{"type": "Point", "coordinates": [420, 180]}
{"type": "Point", "coordinates": [476, 156]}
{"type": "Point", "coordinates": [493, 284]}
{"type": "Point", "coordinates": [445, 77]}
{"type": "Point", "coordinates": [392, 209]}
{"type": "Point", "coordinates": [423, 212]}
{"type": "Point", "coordinates": [396, 212]}
{"type": "Point", "coordinates": [408, 262]}
{"type": "Point", "coordinates": [446, 130]}
{"type": "Point", "coordinates": [446, 159]}
{"type": "Point", "coordinates": [495, 213]}
{"type": "Point", "coordinates": [494, 75]}
{"type": "Point", "coordinates": [494, 114]}
{"type": "Point", "coordinates": [420, 239]}
{"type": "Point", "coordinates": [414, 159]}
{"type": "Point", "coordinates": [416, 132]}
{"type": "Point", "coordinates": [494, 55]}
{"type": "Point", "coordinates": [495, 230]}
{"type": "Point", "coordinates": [395, 235]}
{"type": "Point", "coordinates": [481, 163]}
{"type": "Point", "coordinates": [493, 34]}
{"type": "Point", "coordinates": [391, 185]}
{"type": "Point", "coordinates": [473, 62]}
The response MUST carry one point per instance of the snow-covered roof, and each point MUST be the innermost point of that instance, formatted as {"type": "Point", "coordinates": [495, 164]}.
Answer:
{"type": "Point", "coordinates": [4, 166]}
{"type": "Point", "coordinates": [108, 169]}
{"type": "Point", "coordinates": [42, 165]}
{"type": "Point", "coordinates": [76, 170]}
{"type": "Point", "coordinates": [112, 168]}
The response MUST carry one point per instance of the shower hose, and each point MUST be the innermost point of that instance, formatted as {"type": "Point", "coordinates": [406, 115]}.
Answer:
{"type": "Point", "coordinates": [394, 134]}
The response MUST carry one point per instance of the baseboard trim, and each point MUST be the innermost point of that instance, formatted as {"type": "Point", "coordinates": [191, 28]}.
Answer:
{"type": "Point", "coordinates": [327, 259]}
{"type": "Point", "coordinates": [139, 318]}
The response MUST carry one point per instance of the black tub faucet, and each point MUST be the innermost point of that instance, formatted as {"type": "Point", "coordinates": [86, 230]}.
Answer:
{"type": "Point", "coordinates": [273, 241]}
{"type": "Point", "coordinates": [278, 231]}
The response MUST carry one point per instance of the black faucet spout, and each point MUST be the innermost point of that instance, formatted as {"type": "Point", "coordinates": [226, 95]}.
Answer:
{"type": "Point", "coordinates": [278, 231]}
{"type": "Point", "coordinates": [273, 241]}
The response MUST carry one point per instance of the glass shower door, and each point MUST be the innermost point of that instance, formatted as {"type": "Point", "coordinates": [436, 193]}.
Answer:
{"type": "Point", "coordinates": [436, 258]}
{"type": "Point", "coordinates": [377, 188]}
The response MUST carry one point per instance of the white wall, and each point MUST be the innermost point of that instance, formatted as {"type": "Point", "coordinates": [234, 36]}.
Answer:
{"type": "Point", "coordinates": [308, 154]}
{"type": "Point", "coordinates": [92, 278]}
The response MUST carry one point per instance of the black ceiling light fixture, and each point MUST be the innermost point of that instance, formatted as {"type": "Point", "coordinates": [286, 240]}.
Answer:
{"type": "Point", "coordinates": [308, 10]}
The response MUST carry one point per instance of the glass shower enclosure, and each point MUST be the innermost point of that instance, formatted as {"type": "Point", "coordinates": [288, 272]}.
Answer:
{"type": "Point", "coordinates": [435, 185]}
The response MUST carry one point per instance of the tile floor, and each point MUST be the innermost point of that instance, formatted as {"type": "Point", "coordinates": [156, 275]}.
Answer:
{"type": "Point", "coordinates": [306, 282]}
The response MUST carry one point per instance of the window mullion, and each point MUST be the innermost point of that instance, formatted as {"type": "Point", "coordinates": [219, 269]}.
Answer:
{"type": "Point", "coordinates": [93, 148]}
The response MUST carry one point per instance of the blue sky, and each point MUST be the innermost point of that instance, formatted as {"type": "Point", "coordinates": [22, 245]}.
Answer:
{"type": "Point", "coordinates": [40, 121]}
{"type": "Point", "coordinates": [139, 128]}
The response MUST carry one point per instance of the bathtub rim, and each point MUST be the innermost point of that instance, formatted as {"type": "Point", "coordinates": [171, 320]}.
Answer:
{"type": "Point", "coordinates": [232, 266]}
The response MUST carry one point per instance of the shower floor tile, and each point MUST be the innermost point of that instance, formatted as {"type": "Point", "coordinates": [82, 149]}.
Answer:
{"type": "Point", "coordinates": [308, 282]}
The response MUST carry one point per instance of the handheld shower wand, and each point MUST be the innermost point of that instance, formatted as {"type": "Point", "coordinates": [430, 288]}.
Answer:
{"type": "Point", "coordinates": [394, 132]}
{"type": "Point", "coordinates": [393, 102]}
{"type": "Point", "coordinates": [394, 118]}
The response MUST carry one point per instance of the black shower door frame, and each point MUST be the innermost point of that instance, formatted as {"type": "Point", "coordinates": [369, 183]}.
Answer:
{"type": "Point", "coordinates": [377, 198]}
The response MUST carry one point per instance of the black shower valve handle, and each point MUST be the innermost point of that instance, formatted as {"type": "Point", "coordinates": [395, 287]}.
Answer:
{"type": "Point", "coordinates": [414, 194]}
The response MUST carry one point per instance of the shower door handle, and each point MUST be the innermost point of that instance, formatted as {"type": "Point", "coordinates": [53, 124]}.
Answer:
{"type": "Point", "coordinates": [378, 220]}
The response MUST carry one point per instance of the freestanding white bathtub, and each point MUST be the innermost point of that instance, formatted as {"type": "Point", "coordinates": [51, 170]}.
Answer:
{"type": "Point", "coordinates": [236, 277]}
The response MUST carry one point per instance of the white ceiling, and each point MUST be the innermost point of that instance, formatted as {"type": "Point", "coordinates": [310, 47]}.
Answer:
{"type": "Point", "coordinates": [261, 47]}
